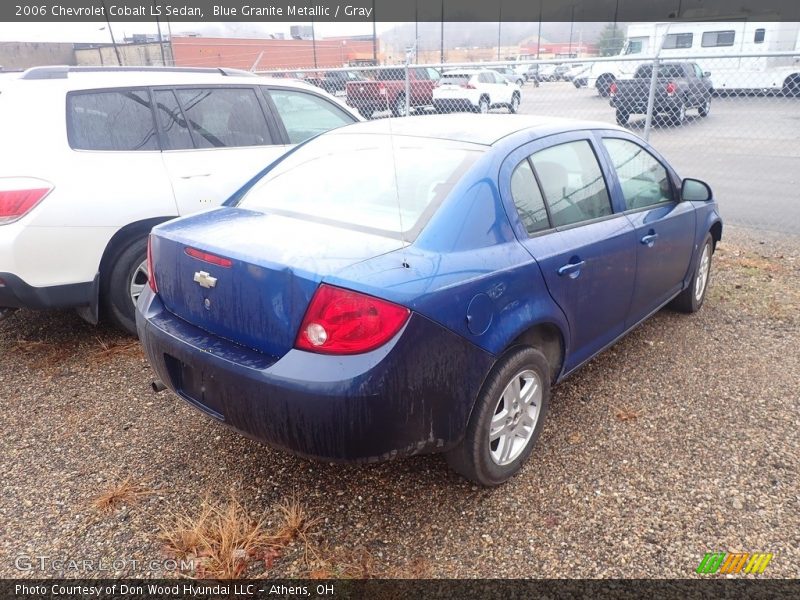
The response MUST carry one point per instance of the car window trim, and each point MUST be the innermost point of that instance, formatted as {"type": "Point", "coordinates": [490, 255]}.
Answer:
{"type": "Point", "coordinates": [161, 132]}
{"type": "Point", "coordinates": [135, 88]}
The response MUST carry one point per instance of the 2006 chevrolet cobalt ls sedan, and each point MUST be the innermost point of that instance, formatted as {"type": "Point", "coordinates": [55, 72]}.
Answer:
{"type": "Point", "coordinates": [417, 286]}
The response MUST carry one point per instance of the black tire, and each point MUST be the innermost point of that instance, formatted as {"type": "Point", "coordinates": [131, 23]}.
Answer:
{"type": "Point", "coordinates": [622, 117]}
{"type": "Point", "coordinates": [688, 301]}
{"type": "Point", "coordinates": [705, 108]}
{"type": "Point", "coordinates": [367, 113]}
{"type": "Point", "coordinates": [791, 87]}
{"type": "Point", "coordinates": [520, 82]}
{"type": "Point", "coordinates": [678, 116]}
{"type": "Point", "coordinates": [483, 105]}
{"type": "Point", "coordinates": [116, 284]}
{"type": "Point", "coordinates": [472, 458]}
{"type": "Point", "coordinates": [603, 85]}
{"type": "Point", "coordinates": [399, 106]}
{"type": "Point", "coordinates": [513, 108]}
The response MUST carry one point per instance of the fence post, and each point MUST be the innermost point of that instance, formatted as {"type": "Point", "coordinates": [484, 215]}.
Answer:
{"type": "Point", "coordinates": [408, 88]}
{"type": "Point", "coordinates": [651, 100]}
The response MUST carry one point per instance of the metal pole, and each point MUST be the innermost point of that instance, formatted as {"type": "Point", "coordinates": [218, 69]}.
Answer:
{"type": "Point", "coordinates": [571, 26]}
{"type": "Point", "coordinates": [650, 100]}
{"type": "Point", "coordinates": [499, 27]}
{"type": "Point", "coordinates": [111, 33]}
{"type": "Point", "coordinates": [314, 43]}
{"type": "Point", "coordinates": [416, 31]}
{"type": "Point", "coordinates": [539, 39]}
{"type": "Point", "coordinates": [374, 37]}
{"type": "Point", "coordinates": [408, 89]}
{"type": "Point", "coordinates": [161, 43]}
{"type": "Point", "coordinates": [171, 52]}
{"type": "Point", "coordinates": [441, 52]}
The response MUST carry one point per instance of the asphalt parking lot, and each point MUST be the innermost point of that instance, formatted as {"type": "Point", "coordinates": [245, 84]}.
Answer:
{"type": "Point", "coordinates": [680, 440]}
{"type": "Point", "coordinates": [746, 149]}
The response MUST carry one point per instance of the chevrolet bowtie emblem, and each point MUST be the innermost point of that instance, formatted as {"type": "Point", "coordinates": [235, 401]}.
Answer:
{"type": "Point", "coordinates": [205, 280]}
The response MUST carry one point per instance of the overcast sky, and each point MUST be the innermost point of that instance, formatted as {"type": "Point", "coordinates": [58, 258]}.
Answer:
{"type": "Point", "coordinates": [98, 32]}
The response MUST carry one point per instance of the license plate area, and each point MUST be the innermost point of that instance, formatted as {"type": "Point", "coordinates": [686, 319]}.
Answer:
{"type": "Point", "coordinates": [199, 388]}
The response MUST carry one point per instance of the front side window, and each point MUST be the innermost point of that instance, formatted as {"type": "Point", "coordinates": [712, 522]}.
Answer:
{"type": "Point", "coordinates": [118, 121]}
{"type": "Point", "coordinates": [433, 74]}
{"type": "Point", "coordinates": [224, 117]}
{"type": "Point", "coordinates": [634, 46]}
{"type": "Point", "coordinates": [396, 183]}
{"type": "Point", "coordinates": [678, 40]}
{"type": "Point", "coordinates": [758, 38]}
{"type": "Point", "coordinates": [306, 115]}
{"type": "Point", "coordinates": [572, 182]}
{"type": "Point", "coordinates": [712, 39]}
{"type": "Point", "coordinates": [643, 179]}
{"type": "Point", "coordinates": [528, 198]}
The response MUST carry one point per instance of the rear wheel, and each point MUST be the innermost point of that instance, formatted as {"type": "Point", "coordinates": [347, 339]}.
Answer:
{"type": "Point", "coordinates": [399, 108]}
{"type": "Point", "coordinates": [679, 114]}
{"type": "Point", "coordinates": [603, 85]}
{"type": "Point", "coordinates": [507, 419]}
{"type": "Point", "coordinates": [483, 105]}
{"type": "Point", "coordinates": [124, 282]}
{"type": "Point", "coordinates": [622, 117]}
{"type": "Point", "coordinates": [514, 106]}
{"type": "Point", "coordinates": [791, 87]}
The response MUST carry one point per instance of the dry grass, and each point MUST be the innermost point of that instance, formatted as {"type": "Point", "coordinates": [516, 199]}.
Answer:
{"type": "Point", "coordinates": [41, 354]}
{"type": "Point", "coordinates": [123, 492]}
{"type": "Point", "coordinates": [226, 542]}
{"type": "Point", "coordinates": [107, 350]}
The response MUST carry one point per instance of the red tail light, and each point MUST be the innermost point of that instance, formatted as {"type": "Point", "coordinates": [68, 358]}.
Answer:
{"type": "Point", "coordinates": [18, 195]}
{"type": "Point", "coordinates": [209, 258]}
{"type": "Point", "coordinates": [339, 321]}
{"type": "Point", "coordinates": [671, 88]}
{"type": "Point", "coordinates": [469, 86]}
{"type": "Point", "coordinates": [382, 91]}
{"type": "Point", "coordinates": [151, 273]}
{"type": "Point", "coordinates": [612, 89]}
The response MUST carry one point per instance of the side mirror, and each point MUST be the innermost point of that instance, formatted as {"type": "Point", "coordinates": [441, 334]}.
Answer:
{"type": "Point", "coordinates": [694, 190]}
{"type": "Point", "coordinates": [706, 73]}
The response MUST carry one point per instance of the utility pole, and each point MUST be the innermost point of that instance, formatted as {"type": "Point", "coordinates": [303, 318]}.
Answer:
{"type": "Point", "coordinates": [161, 42]}
{"type": "Point", "coordinates": [111, 33]}
{"type": "Point", "coordinates": [441, 51]}
{"type": "Point", "coordinates": [314, 43]}
{"type": "Point", "coordinates": [374, 37]}
{"type": "Point", "coordinates": [571, 27]}
{"type": "Point", "coordinates": [499, 27]}
{"type": "Point", "coordinates": [539, 39]}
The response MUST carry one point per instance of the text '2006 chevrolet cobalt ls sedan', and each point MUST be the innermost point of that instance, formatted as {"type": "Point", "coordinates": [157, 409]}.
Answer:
{"type": "Point", "coordinates": [390, 289]}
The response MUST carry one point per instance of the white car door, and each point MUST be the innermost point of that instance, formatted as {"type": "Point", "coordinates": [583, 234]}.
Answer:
{"type": "Point", "coordinates": [504, 89]}
{"type": "Point", "coordinates": [215, 138]}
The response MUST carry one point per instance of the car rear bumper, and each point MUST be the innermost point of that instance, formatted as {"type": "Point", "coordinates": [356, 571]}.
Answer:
{"type": "Point", "coordinates": [413, 395]}
{"type": "Point", "coordinates": [639, 105]}
{"type": "Point", "coordinates": [16, 293]}
{"type": "Point", "coordinates": [453, 104]}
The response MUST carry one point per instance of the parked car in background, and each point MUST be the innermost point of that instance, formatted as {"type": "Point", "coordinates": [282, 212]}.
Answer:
{"type": "Point", "coordinates": [335, 82]}
{"type": "Point", "coordinates": [547, 72]}
{"type": "Point", "coordinates": [560, 71]}
{"type": "Point", "coordinates": [680, 86]}
{"type": "Point", "coordinates": [387, 92]}
{"type": "Point", "coordinates": [510, 75]}
{"type": "Point", "coordinates": [427, 301]}
{"type": "Point", "coordinates": [476, 90]}
{"type": "Point", "coordinates": [577, 74]}
{"type": "Point", "coordinates": [94, 157]}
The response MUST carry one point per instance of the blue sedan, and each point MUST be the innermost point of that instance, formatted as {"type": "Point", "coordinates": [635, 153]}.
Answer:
{"type": "Point", "coordinates": [418, 285]}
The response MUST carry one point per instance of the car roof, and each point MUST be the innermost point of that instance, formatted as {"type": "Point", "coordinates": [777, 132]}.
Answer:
{"type": "Point", "coordinates": [78, 78]}
{"type": "Point", "coordinates": [476, 129]}
{"type": "Point", "coordinates": [463, 71]}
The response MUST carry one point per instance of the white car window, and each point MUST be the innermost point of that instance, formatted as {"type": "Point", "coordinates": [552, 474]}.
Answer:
{"type": "Point", "coordinates": [305, 115]}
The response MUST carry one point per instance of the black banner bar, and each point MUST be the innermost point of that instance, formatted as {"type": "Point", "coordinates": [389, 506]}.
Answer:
{"type": "Point", "coordinates": [398, 10]}
{"type": "Point", "coordinates": [76, 589]}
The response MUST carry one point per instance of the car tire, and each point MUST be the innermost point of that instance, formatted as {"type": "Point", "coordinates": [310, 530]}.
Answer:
{"type": "Point", "coordinates": [513, 108]}
{"type": "Point", "coordinates": [367, 113]}
{"type": "Point", "coordinates": [691, 299]}
{"type": "Point", "coordinates": [483, 105]}
{"type": "Point", "coordinates": [622, 117]}
{"type": "Point", "coordinates": [500, 413]}
{"type": "Point", "coordinates": [399, 106]}
{"type": "Point", "coordinates": [705, 108]}
{"type": "Point", "coordinates": [678, 116]}
{"type": "Point", "coordinates": [520, 82]}
{"type": "Point", "coordinates": [125, 279]}
{"type": "Point", "coordinates": [603, 85]}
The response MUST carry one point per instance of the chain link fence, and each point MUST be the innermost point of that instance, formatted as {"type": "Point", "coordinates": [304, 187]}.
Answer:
{"type": "Point", "coordinates": [733, 120]}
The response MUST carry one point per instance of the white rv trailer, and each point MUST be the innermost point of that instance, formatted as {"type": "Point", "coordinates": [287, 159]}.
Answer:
{"type": "Point", "coordinates": [676, 41]}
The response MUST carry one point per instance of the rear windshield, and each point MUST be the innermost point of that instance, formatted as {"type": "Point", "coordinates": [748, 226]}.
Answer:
{"type": "Point", "coordinates": [666, 71]}
{"type": "Point", "coordinates": [455, 78]}
{"type": "Point", "coordinates": [389, 185]}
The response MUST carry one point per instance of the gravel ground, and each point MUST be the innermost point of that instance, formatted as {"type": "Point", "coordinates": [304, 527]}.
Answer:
{"type": "Point", "coordinates": [680, 440]}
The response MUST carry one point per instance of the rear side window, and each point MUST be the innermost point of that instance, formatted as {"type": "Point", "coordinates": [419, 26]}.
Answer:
{"type": "Point", "coordinates": [758, 38]}
{"type": "Point", "coordinates": [678, 40]}
{"type": "Point", "coordinates": [173, 124]}
{"type": "Point", "coordinates": [224, 117]}
{"type": "Point", "coordinates": [572, 182]}
{"type": "Point", "coordinates": [643, 179]}
{"type": "Point", "coordinates": [528, 198]}
{"type": "Point", "coordinates": [455, 78]}
{"type": "Point", "coordinates": [306, 115]}
{"type": "Point", "coordinates": [121, 120]}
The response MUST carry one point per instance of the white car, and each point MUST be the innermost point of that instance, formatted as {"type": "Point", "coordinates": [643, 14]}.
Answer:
{"type": "Point", "coordinates": [94, 157]}
{"type": "Point", "coordinates": [476, 90]}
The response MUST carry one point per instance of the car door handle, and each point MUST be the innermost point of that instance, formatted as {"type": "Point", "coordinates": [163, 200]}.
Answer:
{"type": "Point", "coordinates": [193, 175]}
{"type": "Point", "coordinates": [649, 239]}
{"type": "Point", "coordinates": [571, 269]}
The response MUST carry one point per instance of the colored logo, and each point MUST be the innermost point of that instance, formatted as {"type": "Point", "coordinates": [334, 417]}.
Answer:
{"type": "Point", "coordinates": [728, 563]}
